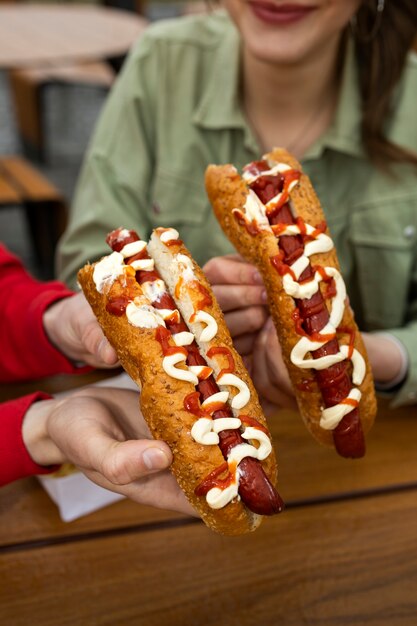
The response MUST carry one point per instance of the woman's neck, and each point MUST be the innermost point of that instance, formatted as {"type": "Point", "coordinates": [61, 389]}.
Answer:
{"type": "Point", "coordinates": [290, 105]}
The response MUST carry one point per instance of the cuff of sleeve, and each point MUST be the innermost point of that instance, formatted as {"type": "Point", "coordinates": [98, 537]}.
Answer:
{"type": "Point", "coordinates": [15, 461]}
{"type": "Point", "coordinates": [407, 393]}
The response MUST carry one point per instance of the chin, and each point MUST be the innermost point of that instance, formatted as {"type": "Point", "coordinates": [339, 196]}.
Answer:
{"type": "Point", "coordinates": [284, 52]}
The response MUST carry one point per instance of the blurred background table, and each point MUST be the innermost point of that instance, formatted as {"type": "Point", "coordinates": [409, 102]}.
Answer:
{"type": "Point", "coordinates": [43, 45]}
{"type": "Point", "coordinates": [343, 552]}
{"type": "Point", "coordinates": [37, 34]}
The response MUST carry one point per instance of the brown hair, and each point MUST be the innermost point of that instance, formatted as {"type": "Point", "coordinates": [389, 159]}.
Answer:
{"type": "Point", "coordinates": [381, 60]}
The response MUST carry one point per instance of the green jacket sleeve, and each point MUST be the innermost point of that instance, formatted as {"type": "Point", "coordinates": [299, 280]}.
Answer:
{"type": "Point", "coordinates": [407, 334]}
{"type": "Point", "coordinates": [408, 391]}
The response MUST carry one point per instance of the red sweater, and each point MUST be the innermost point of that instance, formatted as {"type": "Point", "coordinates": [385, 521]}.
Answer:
{"type": "Point", "coordinates": [26, 354]}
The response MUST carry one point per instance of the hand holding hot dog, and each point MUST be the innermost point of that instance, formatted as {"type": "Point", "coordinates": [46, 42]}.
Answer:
{"type": "Point", "coordinates": [240, 291]}
{"type": "Point", "coordinates": [100, 431]}
{"type": "Point", "coordinates": [159, 312]}
{"type": "Point", "coordinates": [71, 327]}
{"type": "Point", "coordinates": [268, 371]}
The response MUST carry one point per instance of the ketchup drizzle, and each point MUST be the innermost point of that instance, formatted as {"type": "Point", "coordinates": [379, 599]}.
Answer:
{"type": "Point", "coordinates": [255, 488]}
{"type": "Point", "coordinates": [334, 381]}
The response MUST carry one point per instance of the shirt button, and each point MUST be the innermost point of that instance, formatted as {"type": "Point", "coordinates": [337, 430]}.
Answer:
{"type": "Point", "coordinates": [409, 231]}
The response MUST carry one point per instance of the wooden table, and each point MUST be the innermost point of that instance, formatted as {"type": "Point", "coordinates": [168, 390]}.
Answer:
{"type": "Point", "coordinates": [343, 552]}
{"type": "Point", "coordinates": [37, 34]}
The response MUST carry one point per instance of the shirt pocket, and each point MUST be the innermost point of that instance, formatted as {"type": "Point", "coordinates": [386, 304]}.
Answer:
{"type": "Point", "coordinates": [184, 205]}
{"type": "Point", "coordinates": [384, 244]}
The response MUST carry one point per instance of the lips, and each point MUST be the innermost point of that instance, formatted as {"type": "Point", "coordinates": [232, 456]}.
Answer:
{"type": "Point", "coordinates": [279, 14]}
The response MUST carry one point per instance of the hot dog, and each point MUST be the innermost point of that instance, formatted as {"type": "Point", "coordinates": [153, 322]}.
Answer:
{"type": "Point", "coordinates": [274, 219]}
{"type": "Point", "coordinates": [158, 311]}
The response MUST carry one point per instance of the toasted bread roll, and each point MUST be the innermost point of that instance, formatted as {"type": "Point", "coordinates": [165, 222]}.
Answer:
{"type": "Point", "coordinates": [274, 219]}
{"type": "Point", "coordinates": [142, 296]}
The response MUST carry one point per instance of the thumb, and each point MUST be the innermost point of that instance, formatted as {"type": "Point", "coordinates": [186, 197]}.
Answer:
{"type": "Point", "coordinates": [124, 462]}
{"type": "Point", "coordinates": [106, 353]}
{"type": "Point", "coordinates": [99, 352]}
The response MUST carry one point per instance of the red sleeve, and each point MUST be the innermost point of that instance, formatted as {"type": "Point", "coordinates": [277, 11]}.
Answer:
{"type": "Point", "coordinates": [26, 350]}
{"type": "Point", "coordinates": [15, 461]}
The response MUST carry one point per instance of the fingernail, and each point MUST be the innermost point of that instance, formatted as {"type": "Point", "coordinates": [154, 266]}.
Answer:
{"type": "Point", "coordinates": [257, 278]}
{"type": "Point", "coordinates": [107, 352]}
{"type": "Point", "coordinates": [264, 296]}
{"type": "Point", "coordinates": [103, 345]}
{"type": "Point", "coordinates": [155, 459]}
{"type": "Point", "coordinates": [269, 324]}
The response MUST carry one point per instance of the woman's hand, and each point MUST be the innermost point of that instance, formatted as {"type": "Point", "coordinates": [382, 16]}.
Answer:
{"type": "Point", "coordinates": [102, 432]}
{"type": "Point", "coordinates": [269, 373]}
{"type": "Point", "coordinates": [72, 327]}
{"type": "Point", "coordinates": [241, 294]}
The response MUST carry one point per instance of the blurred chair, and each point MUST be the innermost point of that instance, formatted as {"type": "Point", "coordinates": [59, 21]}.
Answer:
{"type": "Point", "coordinates": [45, 208]}
{"type": "Point", "coordinates": [27, 87]}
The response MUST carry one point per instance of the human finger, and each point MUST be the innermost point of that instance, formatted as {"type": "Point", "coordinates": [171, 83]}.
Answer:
{"type": "Point", "coordinates": [159, 490]}
{"type": "Point", "coordinates": [244, 343]}
{"type": "Point", "coordinates": [89, 434]}
{"type": "Point", "coordinates": [238, 296]}
{"type": "Point", "coordinates": [274, 360]}
{"type": "Point", "coordinates": [231, 269]}
{"type": "Point", "coordinates": [246, 320]}
{"type": "Point", "coordinates": [97, 350]}
{"type": "Point", "coordinates": [269, 389]}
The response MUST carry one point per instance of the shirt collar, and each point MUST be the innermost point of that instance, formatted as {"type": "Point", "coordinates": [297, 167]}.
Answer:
{"type": "Point", "coordinates": [219, 105]}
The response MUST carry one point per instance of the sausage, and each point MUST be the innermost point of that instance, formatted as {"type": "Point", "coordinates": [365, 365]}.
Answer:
{"type": "Point", "coordinates": [274, 219]}
{"type": "Point", "coordinates": [255, 489]}
{"type": "Point", "coordinates": [334, 381]}
{"type": "Point", "coordinates": [158, 311]}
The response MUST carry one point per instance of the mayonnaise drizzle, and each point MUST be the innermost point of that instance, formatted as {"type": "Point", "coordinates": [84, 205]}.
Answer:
{"type": "Point", "coordinates": [220, 396]}
{"type": "Point", "coordinates": [107, 270]}
{"type": "Point", "coordinates": [183, 339]}
{"type": "Point", "coordinates": [254, 212]}
{"type": "Point", "coordinates": [331, 416]}
{"type": "Point", "coordinates": [167, 314]}
{"type": "Point", "coordinates": [240, 399]}
{"type": "Point", "coordinates": [142, 314]}
{"type": "Point", "coordinates": [154, 289]}
{"type": "Point", "coordinates": [132, 248]}
{"type": "Point", "coordinates": [198, 370]}
{"type": "Point", "coordinates": [186, 266]}
{"type": "Point", "coordinates": [170, 234]}
{"type": "Point", "coordinates": [320, 243]}
{"type": "Point", "coordinates": [274, 169]}
{"type": "Point", "coordinates": [218, 498]}
{"type": "Point", "coordinates": [143, 264]}
{"type": "Point", "coordinates": [265, 446]}
{"type": "Point", "coordinates": [206, 430]}
{"type": "Point", "coordinates": [169, 362]}
{"type": "Point", "coordinates": [210, 331]}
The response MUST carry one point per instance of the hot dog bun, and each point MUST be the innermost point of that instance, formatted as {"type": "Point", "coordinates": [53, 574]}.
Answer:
{"type": "Point", "coordinates": [142, 355]}
{"type": "Point", "coordinates": [246, 222]}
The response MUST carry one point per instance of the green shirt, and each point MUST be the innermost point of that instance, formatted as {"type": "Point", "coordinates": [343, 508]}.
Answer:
{"type": "Point", "coordinates": [175, 108]}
